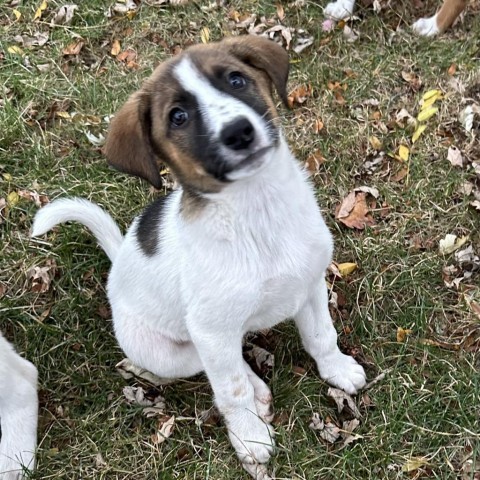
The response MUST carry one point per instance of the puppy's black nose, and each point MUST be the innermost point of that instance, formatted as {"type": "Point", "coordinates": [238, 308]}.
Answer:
{"type": "Point", "coordinates": [238, 135]}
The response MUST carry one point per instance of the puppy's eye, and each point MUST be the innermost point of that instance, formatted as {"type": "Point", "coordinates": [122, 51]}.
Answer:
{"type": "Point", "coordinates": [237, 80]}
{"type": "Point", "coordinates": [178, 117]}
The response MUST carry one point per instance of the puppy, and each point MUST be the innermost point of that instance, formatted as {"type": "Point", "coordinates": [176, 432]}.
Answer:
{"type": "Point", "coordinates": [240, 246]}
{"type": "Point", "coordinates": [18, 413]}
{"type": "Point", "coordinates": [427, 27]}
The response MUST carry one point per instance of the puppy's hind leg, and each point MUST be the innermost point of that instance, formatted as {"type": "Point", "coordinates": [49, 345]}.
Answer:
{"type": "Point", "coordinates": [262, 395]}
{"type": "Point", "coordinates": [159, 354]}
{"type": "Point", "coordinates": [18, 413]}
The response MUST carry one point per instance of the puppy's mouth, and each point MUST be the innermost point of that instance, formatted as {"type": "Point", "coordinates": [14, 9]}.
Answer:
{"type": "Point", "coordinates": [252, 158]}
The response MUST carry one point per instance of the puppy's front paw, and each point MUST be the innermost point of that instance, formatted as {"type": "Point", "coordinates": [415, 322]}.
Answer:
{"type": "Point", "coordinates": [427, 27]}
{"type": "Point", "coordinates": [342, 371]}
{"type": "Point", "coordinates": [251, 437]}
{"type": "Point", "coordinates": [338, 10]}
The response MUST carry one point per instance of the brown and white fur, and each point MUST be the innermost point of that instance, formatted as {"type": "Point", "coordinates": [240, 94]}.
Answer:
{"type": "Point", "coordinates": [427, 27]}
{"type": "Point", "coordinates": [240, 246]}
{"type": "Point", "coordinates": [18, 413]}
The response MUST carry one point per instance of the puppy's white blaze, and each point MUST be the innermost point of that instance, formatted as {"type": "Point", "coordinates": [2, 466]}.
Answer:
{"type": "Point", "coordinates": [79, 210]}
{"type": "Point", "coordinates": [218, 108]}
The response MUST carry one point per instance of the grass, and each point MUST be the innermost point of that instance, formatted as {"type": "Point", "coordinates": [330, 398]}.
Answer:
{"type": "Point", "coordinates": [428, 403]}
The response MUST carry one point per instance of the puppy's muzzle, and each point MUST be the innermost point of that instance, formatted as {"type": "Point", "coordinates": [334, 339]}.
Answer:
{"type": "Point", "coordinates": [238, 135]}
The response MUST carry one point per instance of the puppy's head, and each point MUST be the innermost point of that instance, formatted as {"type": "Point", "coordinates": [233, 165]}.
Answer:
{"type": "Point", "coordinates": [207, 113]}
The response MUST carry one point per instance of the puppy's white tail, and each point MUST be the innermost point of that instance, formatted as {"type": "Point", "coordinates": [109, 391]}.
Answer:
{"type": "Point", "coordinates": [87, 213]}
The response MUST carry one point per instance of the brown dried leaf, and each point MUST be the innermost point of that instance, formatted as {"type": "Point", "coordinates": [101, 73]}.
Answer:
{"type": "Point", "coordinates": [353, 212]}
{"type": "Point", "coordinates": [165, 430]}
{"type": "Point", "coordinates": [116, 48]}
{"type": "Point", "coordinates": [299, 95]}
{"type": "Point", "coordinates": [328, 430]}
{"type": "Point", "coordinates": [345, 403]}
{"type": "Point", "coordinates": [313, 162]}
{"type": "Point", "coordinates": [74, 48]}
{"type": "Point", "coordinates": [280, 12]}
{"type": "Point", "coordinates": [32, 196]}
{"type": "Point", "coordinates": [413, 80]}
{"type": "Point", "coordinates": [41, 277]}
{"type": "Point", "coordinates": [454, 156]}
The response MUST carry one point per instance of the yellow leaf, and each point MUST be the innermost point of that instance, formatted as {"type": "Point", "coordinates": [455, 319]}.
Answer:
{"type": "Point", "coordinates": [375, 142]}
{"type": "Point", "coordinates": [428, 103]}
{"type": "Point", "coordinates": [15, 50]}
{"type": "Point", "coordinates": [7, 177]}
{"type": "Point", "coordinates": [13, 198]}
{"type": "Point", "coordinates": [402, 334]}
{"type": "Point", "coordinates": [414, 463]}
{"type": "Point", "coordinates": [430, 94]}
{"type": "Point", "coordinates": [18, 15]}
{"type": "Point", "coordinates": [403, 153]}
{"type": "Point", "coordinates": [115, 48]}
{"type": "Point", "coordinates": [418, 133]}
{"type": "Point", "coordinates": [40, 10]}
{"type": "Point", "coordinates": [205, 34]}
{"type": "Point", "coordinates": [426, 114]}
{"type": "Point", "coordinates": [63, 114]}
{"type": "Point", "coordinates": [347, 268]}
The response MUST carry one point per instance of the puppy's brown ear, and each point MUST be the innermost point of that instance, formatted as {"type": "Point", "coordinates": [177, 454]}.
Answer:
{"type": "Point", "coordinates": [128, 147]}
{"type": "Point", "coordinates": [264, 54]}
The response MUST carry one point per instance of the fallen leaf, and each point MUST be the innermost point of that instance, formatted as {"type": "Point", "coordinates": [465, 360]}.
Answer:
{"type": "Point", "coordinates": [418, 132]}
{"type": "Point", "coordinates": [18, 15]}
{"type": "Point", "coordinates": [345, 403]}
{"type": "Point", "coordinates": [402, 334]}
{"type": "Point", "coordinates": [33, 196]}
{"type": "Point", "coordinates": [451, 243]}
{"type": "Point", "coordinates": [375, 142]}
{"type": "Point", "coordinates": [38, 13]}
{"type": "Point", "coordinates": [165, 431]}
{"type": "Point", "coordinates": [414, 463]}
{"type": "Point", "coordinates": [413, 80]}
{"type": "Point", "coordinates": [138, 396]}
{"type": "Point", "coordinates": [403, 153]}
{"type": "Point", "coordinates": [354, 211]}
{"type": "Point", "coordinates": [467, 116]}
{"type": "Point", "coordinates": [302, 42]}
{"type": "Point", "coordinates": [205, 35]}
{"type": "Point", "coordinates": [328, 431]}
{"type": "Point", "coordinates": [313, 162]}
{"type": "Point", "coordinates": [129, 370]}
{"type": "Point", "coordinates": [263, 359]}
{"type": "Point", "coordinates": [37, 40]}
{"type": "Point", "coordinates": [426, 114]}
{"type": "Point", "coordinates": [347, 432]}
{"type": "Point", "coordinates": [97, 141]}
{"type": "Point", "coordinates": [299, 95]}
{"type": "Point", "coordinates": [12, 199]}
{"type": "Point", "coordinates": [64, 15]}
{"type": "Point", "coordinates": [41, 277]}
{"type": "Point", "coordinates": [73, 48]}
{"type": "Point", "coordinates": [347, 268]}
{"type": "Point", "coordinates": [452, 69]}
{"type": "Point", "coordinates": [116, 48]}
{"type": "Point", "coordinates": [14, 50]}
{"type": "Point", "coordinates": [454, 156]}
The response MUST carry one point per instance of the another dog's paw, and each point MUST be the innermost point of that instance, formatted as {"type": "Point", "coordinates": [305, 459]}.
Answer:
{"type": "Point", "coordinates": [342, 371]}
{"type": "Point", "coordinates": [339, 9]}
{"type": "Point", "coordinates": [251, 437]}
{"type": "Point", "coordinates": [427, 27]}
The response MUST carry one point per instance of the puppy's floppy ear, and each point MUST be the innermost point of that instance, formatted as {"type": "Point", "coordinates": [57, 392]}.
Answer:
{"type": "Point", "coordinates": [264, 54]}
{"type": "Point", "coordinates": [128, 147]}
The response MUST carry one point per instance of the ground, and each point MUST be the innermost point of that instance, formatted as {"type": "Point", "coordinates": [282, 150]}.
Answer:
{"type": "Point", "coordinates": [408, 310]}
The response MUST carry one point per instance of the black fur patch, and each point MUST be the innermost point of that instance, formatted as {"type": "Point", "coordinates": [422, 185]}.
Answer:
{"type": "Point", "coordinates": [148, 226]}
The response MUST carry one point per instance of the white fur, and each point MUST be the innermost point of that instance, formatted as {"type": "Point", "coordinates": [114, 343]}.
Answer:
{"type": "Point", "coordinates": [427, 27]}
{"type": "Point", "coordinates": [91, 215]}
{"type": "Point", "coordinates": [340, 9]}
{"type": "Point", "coordinates": [255, 255]}
{"type": "Point", "coordinates": [18, 413]}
